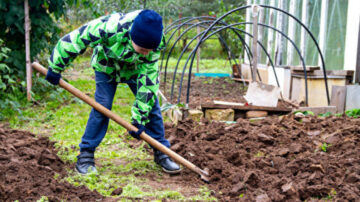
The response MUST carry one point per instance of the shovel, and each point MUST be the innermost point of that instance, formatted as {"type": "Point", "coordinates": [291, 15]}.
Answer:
{"type": "Point", "coordinates": [258, 93]}
{"type": "Point", "coordinates": [203, 173]}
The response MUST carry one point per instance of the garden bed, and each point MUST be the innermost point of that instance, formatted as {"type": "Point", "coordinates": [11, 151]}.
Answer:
{"type": "Point", "coordinates": [206, 89]}
{"type": "Point", "coordinates": [275, 159]}
{"type": "Point", "coordinates": [30, 169]}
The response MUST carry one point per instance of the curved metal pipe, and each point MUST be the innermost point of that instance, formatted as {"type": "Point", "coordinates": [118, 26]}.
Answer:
{"type": "Point", "coordinates": [186, 23]}
{"type": "Point", "coordinates": [316, 44]}
{"type": "Point", "coordinates": [291, 41]}
{"type": "Point", "coordinates": [308, 31]}
{"type": "Point", "coordinates": [192, 53]}
{"type": "Point", "coordinates": [172, 88]}
{"type": "Point", "coordinates": [246, 47]}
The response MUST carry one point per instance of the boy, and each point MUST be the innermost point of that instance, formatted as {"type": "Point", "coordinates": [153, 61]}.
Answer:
{"type": "Point", "coordinates": [126, 50]}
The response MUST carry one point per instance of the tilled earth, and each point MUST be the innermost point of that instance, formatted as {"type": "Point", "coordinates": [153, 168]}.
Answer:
{"type": "Point", "coordinates": [207, 89]}
{"type": "Point", "coordinates": [275, 159]}
{"type": "Point", "coordinates": [27, 169]}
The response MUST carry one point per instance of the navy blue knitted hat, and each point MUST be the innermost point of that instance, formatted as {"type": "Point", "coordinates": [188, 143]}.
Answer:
{"type": "Point", "coordinates": [146, 30]}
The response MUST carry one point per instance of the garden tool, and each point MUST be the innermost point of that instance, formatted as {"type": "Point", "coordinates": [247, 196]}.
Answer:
{"type": "Point", "coordinates": [258, 93]}
{"type": "Point", "coordinates": [171, 110]}
{"type": "Point", "coordinates": [203, 173]}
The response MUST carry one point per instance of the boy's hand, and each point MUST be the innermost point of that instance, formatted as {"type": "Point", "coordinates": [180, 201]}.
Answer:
{"type": "Point", "coordinates": [136, 134]}
{"type": "Point", "coordinates": [52, 77]}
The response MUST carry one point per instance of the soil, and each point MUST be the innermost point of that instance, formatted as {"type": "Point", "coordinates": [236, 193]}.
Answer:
{"type": "Point", "coordinates": [275, 159]}
{"type": "Point", "coordinates": [28, 166]}
{"type": "Point", "coordinates": [206, 89]}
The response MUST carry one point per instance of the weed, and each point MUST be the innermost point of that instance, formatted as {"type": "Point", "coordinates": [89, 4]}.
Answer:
{"type": "Point", "coordinates": [327, 114]}
{"type": "Point", "coordinates": [43, 199]}
{"type": "Point", "coordinates": [355, 113]}
{"type": "Point", "coordinates": [259, 154]}
{"type": "Point", "coordinates": [325, 147]}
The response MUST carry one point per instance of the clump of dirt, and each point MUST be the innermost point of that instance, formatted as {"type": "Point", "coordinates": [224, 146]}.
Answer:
{"type": "Point", "coordinates": [275, 159]}
{"type": "Point", "coordinates": [28, 166]}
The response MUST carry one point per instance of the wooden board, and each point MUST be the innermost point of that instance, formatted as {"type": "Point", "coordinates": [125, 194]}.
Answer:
{"type": "Point", "coordinates": [318, 110]}
{"type": "Point", "coordinates": [338, 95]}
{"type": "Point", "coordinates": [245, 108]}
{"type": "Point", "coordinates": [352, 97]}
{"type": "Point", "coordinates": [301, 68]}
{"type": "Point", "coordinates": [242, 80]}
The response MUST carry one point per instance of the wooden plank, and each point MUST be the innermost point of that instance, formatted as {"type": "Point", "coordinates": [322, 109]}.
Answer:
{"type": "Point", "coordinates": [307, 68]}
{"type": "Point", "coordinates": [242, 80]}
{"type": "Point", "coordinates": [291, 33]}
{"type": "Point", "coordinates": [256, 114]}
{"type": "Point", "coordinates": [318, 110]}
{"type": "Point", "coordinates": [218, 102]}
{"type": "Point", "coordinates": [338, 95]}
{"type": "Point", "coordinates": [323, 26]}
{"type": "Point", "coordinates": [352, 97]}
{"type": "Point", "coordinates": [270, 32]}
{"type": "Point", "coordinates": [357, 75]}
{"type": "Point", "coordinates": [255, 14]}
{"type": "Point", "coordinates": [303, 20]}
{"type": "Point", "coordinates": [245, 108]}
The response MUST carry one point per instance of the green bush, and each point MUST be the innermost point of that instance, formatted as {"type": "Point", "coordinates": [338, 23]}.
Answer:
{"type": "Point", "coordinates": [43, 35]}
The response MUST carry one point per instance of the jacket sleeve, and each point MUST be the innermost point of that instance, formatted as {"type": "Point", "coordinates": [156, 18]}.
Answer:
{"type": "Point", "coordinates": [76, 42]}
{"type": "Point", "coordinates": [147, 87]}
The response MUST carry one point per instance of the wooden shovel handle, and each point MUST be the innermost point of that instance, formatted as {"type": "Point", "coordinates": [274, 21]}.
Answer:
{"type": "Point", "coordinates": [121, 121]}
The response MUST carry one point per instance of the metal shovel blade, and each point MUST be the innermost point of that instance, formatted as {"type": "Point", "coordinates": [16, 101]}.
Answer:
{"type": "Point", "coordinates": [260, 94]}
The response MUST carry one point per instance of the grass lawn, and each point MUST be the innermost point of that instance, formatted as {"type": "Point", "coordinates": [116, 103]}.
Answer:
{"type": "Point", "coordinates": [206, 65]}
{"type": "Point", "coordinates": [119, 164]}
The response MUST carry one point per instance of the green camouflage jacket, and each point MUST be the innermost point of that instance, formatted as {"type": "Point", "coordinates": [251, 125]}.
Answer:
{"type": "Point", "coordinates": [114, 55]}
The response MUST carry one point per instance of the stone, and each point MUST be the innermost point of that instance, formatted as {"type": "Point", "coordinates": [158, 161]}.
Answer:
{"type": "Point", "coordinates": [256, 114]}
{"type": "Point", "coordinates": [295, 148]}
{"type": "Point", "coordinates": [237, 188]}
{"type": "Point", "coordinates": [288, 188]}
{"type": "Point", "coordinates": [195, 115]}
{"type": "Point", "coordinates": [265, 138]}
{"type": "Point", "coordinates": [283, 151]}
{"type": "Point", "coordinates": [263, 198]}
{"type": "Point", "coordinates": [220, 114]}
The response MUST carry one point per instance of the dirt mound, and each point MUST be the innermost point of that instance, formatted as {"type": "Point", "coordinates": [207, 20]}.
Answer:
{"type": "Point", "coordinates": [28, 166]}
{"type": "Point", "coordinates": [205, 90]}
{"type": "Point", "coordinates": [276, 159]}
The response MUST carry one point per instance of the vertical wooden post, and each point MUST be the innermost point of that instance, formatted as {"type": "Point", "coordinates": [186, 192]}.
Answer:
{"type": "Point", "coordinates": [323, 25]}
{"type": "Point", "coordinates": [247, 27]}
{"type": "Point", "coordinates": [291, 33]}
{"type": "Point", "coordinates": [255, 15]}
{"type": "Point", "coordinates": [198, 52]}
{"type": "Point", "coordinates": [278, 38]}
{"type": "Point", "coordinates": [303, 20]}
{"type": "Point", "coordinates": [270, 32]}
{"type": "Point", "coordinates": [261, 28]}
{"type": "Point", "coordinates": [357, 72]}
{"type": "Point", "coordinates": [27, 50]}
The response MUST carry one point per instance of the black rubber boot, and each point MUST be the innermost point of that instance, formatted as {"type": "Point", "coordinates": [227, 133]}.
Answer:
{"type": "Point", "coordinates": [85, 163]}
{"type": "Point", "coordinates": [167, 164]}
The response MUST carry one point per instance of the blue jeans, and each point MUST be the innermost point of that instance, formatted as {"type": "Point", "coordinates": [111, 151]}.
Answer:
{"type": "Point", "coordinates": [97, 124]}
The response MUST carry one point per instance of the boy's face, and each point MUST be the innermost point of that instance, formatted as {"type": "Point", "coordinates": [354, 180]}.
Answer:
{"type": "Point", "coordinates": [141, 50]}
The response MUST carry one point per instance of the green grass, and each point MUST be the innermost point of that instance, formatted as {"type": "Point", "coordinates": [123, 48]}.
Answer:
{"type": "Point", "coordinates": [206, 65]}
{"type": "Point", "coordinates": [118, 164]}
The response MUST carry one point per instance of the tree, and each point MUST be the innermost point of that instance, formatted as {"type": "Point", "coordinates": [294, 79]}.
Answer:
{"type": "Point", "coordinates": [43, 34]}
